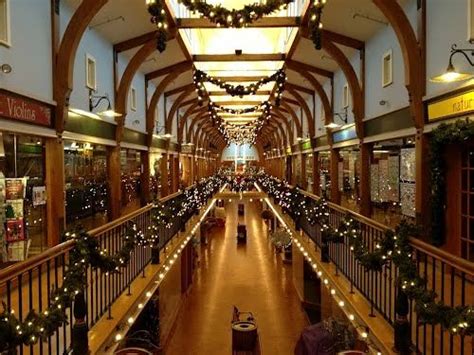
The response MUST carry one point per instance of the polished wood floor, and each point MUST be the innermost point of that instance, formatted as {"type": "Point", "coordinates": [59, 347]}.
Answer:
{"type": "Point", "coordinates": [250, 277]}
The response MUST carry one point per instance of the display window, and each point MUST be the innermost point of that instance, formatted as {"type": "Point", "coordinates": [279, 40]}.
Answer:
{"type": "Point", "coordinates": [324, 171]}
{"type": "Point", "coordinates": [85, 169]}
{"type": "Point", "coordinates": [23, 197]}
{"type": "Point", "coordinates": [155, 175]}
{"type": "Point", "coordinates": [392, 181]}
{"type": "Point", "coordinates": [309, 171]}
{"type": "Point", "coordinates": [349, 178]}
{"type": "Point", "coordinates": [130, 160]}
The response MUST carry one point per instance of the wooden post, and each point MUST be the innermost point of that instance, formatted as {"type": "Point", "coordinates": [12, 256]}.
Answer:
{"type": "Point", "coordinates": [191, 167]}
{"type": "Point", "coordinates": [145, 178]}
{"type": "Point", "coordinates": [115, 182]}
{"type": "Point", "coordinates": [316, 174]}
{"type": "Point", "coordinates": [164, 175]}
{"type": "Point", "coordinates": [335, 193]}
{"type": "Point", "coordinates": [365, 198]}
{"type": "Point", "coordinates": [55, 195]}
{"type": "Point", "coordinates": [176, 176]}
{"type": "Point", "coordinates": [304, 182]}
{"type": "Point", "coordinates": [422, 188]}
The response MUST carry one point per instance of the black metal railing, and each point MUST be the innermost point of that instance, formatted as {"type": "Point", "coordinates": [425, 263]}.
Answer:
{"type": "Point", "coordinates": [28, 285]}
{"type": "Point", "coordinates": [452, 278]}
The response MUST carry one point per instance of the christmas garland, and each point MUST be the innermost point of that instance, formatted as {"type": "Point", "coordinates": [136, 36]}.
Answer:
{"type": "Point", "coordinates": [201, 77]}
{"type": "Point", "coordinates": [454, 133]}
{"type": "Point", "coordinates": [223, 17]}
{"type": "Point", "coordinates": [158, 17]}
{"type": "Point", "coordinates": [86, 253]}
{"type": "Point", "coordinates": [394, 246]}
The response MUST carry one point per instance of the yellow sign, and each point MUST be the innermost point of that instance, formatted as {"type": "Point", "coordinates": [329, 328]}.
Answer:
{"type": "Point", "coordinates": [452, 106]}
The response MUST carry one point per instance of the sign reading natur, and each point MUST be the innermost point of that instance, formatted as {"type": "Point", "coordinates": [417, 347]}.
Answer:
{"type": "Point", "coordinates": [19, 108]}
{"type": "Point", "coordinates": [452, 106]}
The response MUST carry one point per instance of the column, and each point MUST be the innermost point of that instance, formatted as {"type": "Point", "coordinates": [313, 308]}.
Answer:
{"type": "Point", "coordinates": [164, 175]}
{"type": "Point", "coordinates": [115, 182]}
{"type": "Point", "coordinates": [176, 177]}
{"type": "Point", "coordinates": [55, 190]}
{"type": "Point", "coordinates": [192, 170]}
{"type": "Point", "coordinates": [365, 160]}
{"type": "Point", "coordinates": [335, 193]}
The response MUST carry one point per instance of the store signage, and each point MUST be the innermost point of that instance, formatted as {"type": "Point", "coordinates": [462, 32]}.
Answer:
{"type": "Point", "coordinates": [306, 145]}
{"type": "Point", "coordinates": [344, 134]}
{"type": "Point", "coordinates": [452, 106]}
{"type": "Point", "coordinates": [186, 149]}
{"type": "Point", "coordinates": [23, 109]}
{"type": "Point", "coordinates": [288, 150]}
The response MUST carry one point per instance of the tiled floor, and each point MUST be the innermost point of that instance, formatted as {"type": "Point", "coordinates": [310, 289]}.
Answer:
{"type": "Point", "coordinates": [251, 277]}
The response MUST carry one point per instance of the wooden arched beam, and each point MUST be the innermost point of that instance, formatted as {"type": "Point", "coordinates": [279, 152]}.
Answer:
{"type": "Point", "coordinates": [307, 111]}
{"type": "Point", "coordinates": [66, 55]}
{"type": "Point", "coordinates": [354, 86]}
{"type": "Point", "coordinates": [293, 114]}
{"type": "Point", "coordinates": [195, 120]}
{"type": "Point", "coordinates": [272, 132]}
{"type": "Point", "coordinates": [174, 108]}
{"type": "Point", "coordinates": [126, 81]}
{"type": "Point", "coordinates": [279, 113]}
{"type": "Point", "coordinates": [412, 56]}
{"type": "Point", "coordinates": [279, 129]}
{"type": "Point", "coordinates": [186, 115]}
{"type": "Point", "coordinates": [150, 116]}
{"type": "Point", "coordinates": [276, 116]}
{"type": "Point", "coordinates": [319, 90]}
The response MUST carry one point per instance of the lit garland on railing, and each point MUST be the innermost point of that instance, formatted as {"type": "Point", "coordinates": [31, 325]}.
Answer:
{"type": "Point", "coordinates": [394, 246]}
{"type": "Point", "coordinates": [200, 77]}
{"type": "Point", "coordinates": [86, 253]}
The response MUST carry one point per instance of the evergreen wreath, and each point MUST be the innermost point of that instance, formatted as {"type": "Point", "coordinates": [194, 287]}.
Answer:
{"type": "Point", "coordinates": [444, 134]}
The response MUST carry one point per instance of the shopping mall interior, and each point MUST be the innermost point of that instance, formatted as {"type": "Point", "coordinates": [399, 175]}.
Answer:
{"type": "Point", "coordinates": [209, 177]}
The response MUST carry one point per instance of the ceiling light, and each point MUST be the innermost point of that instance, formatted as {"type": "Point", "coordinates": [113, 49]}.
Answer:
{"type": "Point", "coordinates": [332, 125]}
{"type": "Point", "coordinates": [6, 68]}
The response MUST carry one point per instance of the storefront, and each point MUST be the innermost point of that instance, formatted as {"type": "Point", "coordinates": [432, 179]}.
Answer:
{"type": "Point", "coordinates": [25, 125]}
{"type": "Point", "coordinates": [85, 170]}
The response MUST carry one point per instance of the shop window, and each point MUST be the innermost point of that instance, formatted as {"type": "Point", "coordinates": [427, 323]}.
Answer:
{"type": "Point", "coordinates": [345, 96]}
{"type": "Point", "coordinates": [349, 173]}
{"type": "Point", "coordinates": [387, 68]}
{"type": "Point", "coordinates": [324, 174]}
{"type": "Point", "coordinates": [467, 203]}
{"type": "Point", "coordinates": [131, 171]}
{"type": "Point", "coordinates": [309, 171]}
{"type": "Point", "coordinates": [23, 197]}
{"type": "Point", "coordinates": [85, 168]}
{"type": "Point", "coordinates": [133, 99]}
{"type": "Point", "coordinates": [91, 75]}
{"type": "Point", "coordinates": [392, 181]}
{"type": "Point", "coordinates": [5, 22]}
{"type": "Point", "coordinates": [155, 174]}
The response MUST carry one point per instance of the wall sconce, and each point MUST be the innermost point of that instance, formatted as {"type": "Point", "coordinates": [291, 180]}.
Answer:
{"type": "Point", "coordinates": [451, 75]}
{"type": "Point", "coordinates": [95, 100]}
{"type": "Point", "coordinates": [6, 68]}
{"type": "Point", "coordinates": [343, 116]}
{"type": "Point", "coordinates": [160, 129]}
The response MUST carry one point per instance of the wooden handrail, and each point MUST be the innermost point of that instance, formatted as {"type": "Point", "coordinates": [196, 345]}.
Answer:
{"type": "Point", "coordinates": [21, 267]}
{"type": "Point", "coordinates": [458, 263]}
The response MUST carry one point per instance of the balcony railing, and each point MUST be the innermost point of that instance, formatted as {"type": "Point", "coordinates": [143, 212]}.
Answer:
{"type": "Point", "coordinates": [29, 284]}
{"type": "Point", "coordinates": [450, 277]}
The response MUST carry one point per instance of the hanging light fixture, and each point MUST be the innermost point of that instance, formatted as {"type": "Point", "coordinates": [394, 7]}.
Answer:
{"type": "Point", "coordinates": [95, 100]}
{"type": "Point", "coordinates": [451, 74]}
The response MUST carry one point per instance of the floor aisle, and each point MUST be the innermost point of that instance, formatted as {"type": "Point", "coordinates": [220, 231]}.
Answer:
{"type": "Point", "coordinates": [249, 276]}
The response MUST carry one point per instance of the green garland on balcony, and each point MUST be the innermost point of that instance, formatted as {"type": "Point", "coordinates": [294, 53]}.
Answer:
{"type": "Point", "coordinates": [86, 252]}
{"type": "Point", "coordinates": [394, 246]}
{"type": "Point", "coordinates": [454, 133]}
